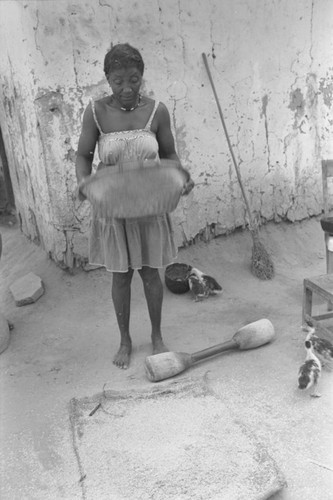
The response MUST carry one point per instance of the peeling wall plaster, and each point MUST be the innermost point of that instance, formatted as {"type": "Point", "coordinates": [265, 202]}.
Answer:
{"type": "Point", "coordinates": [271, 63]}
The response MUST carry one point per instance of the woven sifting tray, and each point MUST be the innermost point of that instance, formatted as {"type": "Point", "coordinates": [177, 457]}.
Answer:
{"type": "Point", "coordinates": [135, 190]}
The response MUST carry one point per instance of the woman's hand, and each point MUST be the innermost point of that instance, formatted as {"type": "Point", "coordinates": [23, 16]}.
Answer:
{"type": "Point", "coordinates": [188, 186]}
{"type": "Point", "coordinates": [189, 183]}
{"type": "Point", "coordinates": [79, 193]}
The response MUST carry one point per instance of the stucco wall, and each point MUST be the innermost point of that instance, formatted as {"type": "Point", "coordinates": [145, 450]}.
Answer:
{"type": "Point", "coordinates": [272, 66]}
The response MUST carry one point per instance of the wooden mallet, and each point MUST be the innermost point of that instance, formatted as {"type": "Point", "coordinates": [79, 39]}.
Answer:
{"type": "Point", "coordinates": [168, 364]}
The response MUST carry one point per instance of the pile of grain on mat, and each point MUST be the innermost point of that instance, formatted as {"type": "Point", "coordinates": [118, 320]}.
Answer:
{"type": "Point", "coordinates": [171, 445]}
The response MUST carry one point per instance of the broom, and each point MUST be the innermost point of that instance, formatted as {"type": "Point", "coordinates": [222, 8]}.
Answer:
{"type": "Point", "coordinates": [262, 266]}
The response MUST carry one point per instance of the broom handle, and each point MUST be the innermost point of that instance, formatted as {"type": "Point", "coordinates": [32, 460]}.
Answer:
{"type": "Point", "coordinates": [227, 137]}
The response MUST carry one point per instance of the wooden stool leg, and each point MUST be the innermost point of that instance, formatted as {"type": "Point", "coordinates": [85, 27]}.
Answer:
{"type": "Point", "coordinates": [329, 263]}
{"type": "Point", "coordinates": [307, 303]}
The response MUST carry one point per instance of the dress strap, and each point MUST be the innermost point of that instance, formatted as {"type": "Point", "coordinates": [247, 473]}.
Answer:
{"type": "Point", "coordinates": [95, 117]}
{"type": "Point", "coordinates": [147, 127]}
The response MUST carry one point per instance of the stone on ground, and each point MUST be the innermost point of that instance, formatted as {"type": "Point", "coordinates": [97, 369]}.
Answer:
{"type": "Point", "coordinates": [27, 289]}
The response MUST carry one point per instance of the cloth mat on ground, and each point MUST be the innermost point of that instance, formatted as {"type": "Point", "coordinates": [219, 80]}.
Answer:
{"type": "Point", "coordinates": [176, 440]}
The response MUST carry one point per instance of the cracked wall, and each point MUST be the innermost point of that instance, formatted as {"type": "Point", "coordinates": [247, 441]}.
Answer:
{"type": "Point", "coordinates": [271, 64]}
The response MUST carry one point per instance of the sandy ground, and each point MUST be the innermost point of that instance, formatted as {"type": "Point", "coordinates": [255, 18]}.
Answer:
{"type": "Point", "coordinates": [62, 347]}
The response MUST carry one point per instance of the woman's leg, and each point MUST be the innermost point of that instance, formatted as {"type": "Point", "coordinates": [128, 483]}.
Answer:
{"type": "Point", "coordinates": [153, 289]}
{"type": "Point", "coordinates": [121, 296]}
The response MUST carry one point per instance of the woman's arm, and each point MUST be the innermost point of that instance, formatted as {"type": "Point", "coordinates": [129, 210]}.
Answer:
{"type": "Point", "coordinates": [164, 134]}
{"type": "Point", "coordinates": [86, 146]}
{"type": "Point", "coordinates": [86, 149]}
{"type": "Point", "coordinates": [166, 143]}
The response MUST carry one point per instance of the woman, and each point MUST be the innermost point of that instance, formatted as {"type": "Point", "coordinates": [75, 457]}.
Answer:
{"type": "Point", "coordinates": [129, 127]}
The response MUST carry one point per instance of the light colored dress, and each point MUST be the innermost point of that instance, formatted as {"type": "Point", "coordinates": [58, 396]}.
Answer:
{"type": "Point", "coordinates": [121, 244]}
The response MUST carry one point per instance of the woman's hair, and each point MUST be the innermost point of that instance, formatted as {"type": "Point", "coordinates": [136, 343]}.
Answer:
{"type": "Point", "coordinates": [122, 55]}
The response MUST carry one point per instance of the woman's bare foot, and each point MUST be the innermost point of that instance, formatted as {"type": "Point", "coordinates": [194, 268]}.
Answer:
{"type": "Point", "coordinates": [122, 357]}
{"type": "Point", "coordinates": [158, 345]}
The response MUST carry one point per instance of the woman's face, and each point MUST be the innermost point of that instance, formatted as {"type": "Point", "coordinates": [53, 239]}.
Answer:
{"type": "Point", "coordinates": [125, 84]}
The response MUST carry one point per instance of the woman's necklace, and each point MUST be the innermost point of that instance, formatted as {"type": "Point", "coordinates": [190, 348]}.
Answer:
{"type": "Point", "coordinates": [133, 108]}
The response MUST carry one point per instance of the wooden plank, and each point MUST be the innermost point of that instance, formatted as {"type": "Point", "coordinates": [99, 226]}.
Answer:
{"type": "Point", "coordinates": [323, 316]}
{"type": "Point", "coordinates": [307, 303]}
{"type": "Point", "coordinates": [327, 171]}
{"type": "Point", "coordinates": [320, 328]}
{"type": "Point", "coordinates": [328, 166]}
{"type": "Point", "coordinates": [325, 188]}
{"type": "Point", "coordinates": [322, 285]}
{"type": "Point", "coordinates": [329, 254]}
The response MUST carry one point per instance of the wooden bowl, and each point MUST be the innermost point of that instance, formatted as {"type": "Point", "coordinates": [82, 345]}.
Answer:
{"type": "Point", "coordinates": [136, 191]}
{"type": "Point", "coordinates": [176, 277]}
{"type": "Point", "coordinates": [327, 224]}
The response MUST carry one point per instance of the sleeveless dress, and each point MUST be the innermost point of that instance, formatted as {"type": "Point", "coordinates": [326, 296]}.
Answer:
{"type": "Point", "coordinates": [121, 244]}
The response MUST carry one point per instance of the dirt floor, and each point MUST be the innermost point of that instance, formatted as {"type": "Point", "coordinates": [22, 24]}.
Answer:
{"type": "Point", "coordinates": [62, 347]}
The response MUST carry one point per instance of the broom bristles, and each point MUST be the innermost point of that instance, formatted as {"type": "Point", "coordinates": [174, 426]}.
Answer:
{"type": "Point", "coordinates": [262, 266]}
